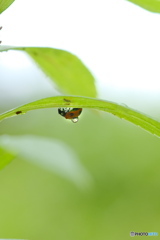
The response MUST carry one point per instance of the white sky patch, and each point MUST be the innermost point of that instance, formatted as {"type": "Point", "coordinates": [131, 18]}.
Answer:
{"type": "Point", "coordinates": [15, 60]}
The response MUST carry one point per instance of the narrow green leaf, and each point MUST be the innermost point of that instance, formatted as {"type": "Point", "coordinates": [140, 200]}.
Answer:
{"type": "Point", "coordinates": [151, 5]}
{"type": "Point", "coordinates": [5, 157]}
{"type": "Point", "coordinates": [48, 153]}
{"type": "Point", "coordinates": [4, 4]}
{"type": "Point", "coordinates": [64, 68]}
{"type": "Point", "coordinates": [126, 113]}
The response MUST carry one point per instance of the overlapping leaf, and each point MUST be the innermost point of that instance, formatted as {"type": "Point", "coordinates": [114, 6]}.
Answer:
{"type": "Point", "coordinates": [151, 5]}
{"type": "Point", "coordinates": [4, 4]}
{"type": "Point", "coordinates": [5, 157]}
{"type": "Point", "coordinates": [48, 153]}
{"type": "Point", "coordinates": [64, 68]}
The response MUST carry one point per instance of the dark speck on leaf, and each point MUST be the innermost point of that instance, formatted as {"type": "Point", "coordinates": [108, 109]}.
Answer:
{"type": "Point", "coordinates": [18, 112]}
{"type": "Point", "coordinates": [66, 100]}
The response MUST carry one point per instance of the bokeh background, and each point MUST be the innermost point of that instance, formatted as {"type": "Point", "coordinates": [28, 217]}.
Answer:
{"type": "Point", "coordinates": [119, 42]}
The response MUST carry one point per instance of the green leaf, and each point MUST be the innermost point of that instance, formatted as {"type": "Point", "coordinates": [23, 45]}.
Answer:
{"type": "Point", "coordinates": [151, 5]}
{"type": "Point", "coordinates": [4, 4]}
{"type": "Point", "coordinates": [5, 157]}
{"type": "Point", "coordinates": [51, 154]}
{"type": "Point", "coordinates": [126, 113]}
{"type": "Point", "coordinates": [64, 68]}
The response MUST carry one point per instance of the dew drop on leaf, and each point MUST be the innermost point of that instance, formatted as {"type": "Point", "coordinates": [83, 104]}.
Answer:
{"type": "Point", "coordinates": [74, 120]}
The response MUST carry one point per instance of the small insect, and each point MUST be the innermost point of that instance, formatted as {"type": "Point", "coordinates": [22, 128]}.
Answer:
{"type": "Point", "coordinates": [70, 113]}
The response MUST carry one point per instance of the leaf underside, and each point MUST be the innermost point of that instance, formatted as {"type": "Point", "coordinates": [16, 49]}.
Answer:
{"type": "Point", "coordinates": [123, 112]}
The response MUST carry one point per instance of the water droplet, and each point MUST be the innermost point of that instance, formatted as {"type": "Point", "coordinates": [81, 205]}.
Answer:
{"type": "Point", "coordinates": [74, 120]}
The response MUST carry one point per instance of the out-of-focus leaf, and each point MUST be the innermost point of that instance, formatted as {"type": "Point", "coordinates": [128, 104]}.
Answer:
{"type": "Point", "coordinates": [64, 68]}
{"type": "Point", "coordinates": [151, 5]}
{"type": "Point", "coordinates": [126, 113]}
{"type": "Point", "coordinates": [50, 154]}
{"type": "Point", "coordinates": [5, 157]}
{"type": "Point", "coordinates": [4, 4]}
